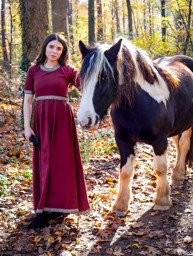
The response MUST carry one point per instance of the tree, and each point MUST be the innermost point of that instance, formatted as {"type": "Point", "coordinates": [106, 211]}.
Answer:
{"type": "Point", "coordinates": [150, 18]}
{"type": "Point", "coordinates": [6, 63]}
{"type": "Point", "coordinates": [59, 17]}
{"type": "Point", "coordinates": [186, 25]}
{"type": "Point", "coordinates": [99, 21]}
{"type": "Point", "coordinates": [34, 23]}
{"type": "Point", "coordinates": [130, 24]}
{"type": "Point", "coordinates": [116, 3]}
{"type": "Point", "coordinates": [71, 25]}
{"type": "Point", "coordinates": [144, 16]}
{"type": "Point", "coordinates": [163, 18]}
{"type": "Point", "coordinates": [91, 22]}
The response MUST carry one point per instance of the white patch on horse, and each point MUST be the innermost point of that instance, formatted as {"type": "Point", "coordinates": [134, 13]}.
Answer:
{"type": "Point", "coordinates": [89, 82]}
{"type": "Point", "coordinates": [86, 109]}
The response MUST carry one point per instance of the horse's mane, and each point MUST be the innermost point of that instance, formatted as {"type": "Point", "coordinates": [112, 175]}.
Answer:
{"type": "Point", "coordinates": [136, 69]}
{"type": "Point", "coordinates": [94, 63]}
{"type": "Point", "coordinates": [139, 65]}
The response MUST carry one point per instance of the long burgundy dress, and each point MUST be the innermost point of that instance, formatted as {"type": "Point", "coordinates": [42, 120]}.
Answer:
{"type": "Point", "coordinates": [58, 179]}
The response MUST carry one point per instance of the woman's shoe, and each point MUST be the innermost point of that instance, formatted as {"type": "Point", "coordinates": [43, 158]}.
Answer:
{"type": "Point", "coordinates": [55, 215]}
{"type": "Point", "coordinates": [40, 221]}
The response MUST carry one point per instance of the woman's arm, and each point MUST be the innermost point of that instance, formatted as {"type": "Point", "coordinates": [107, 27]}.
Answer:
{"type": "Point", "coordinates": [27, 110]}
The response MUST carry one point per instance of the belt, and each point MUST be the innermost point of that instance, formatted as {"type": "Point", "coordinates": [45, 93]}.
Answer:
{"type": "Point", "coordinates": [51, 97]}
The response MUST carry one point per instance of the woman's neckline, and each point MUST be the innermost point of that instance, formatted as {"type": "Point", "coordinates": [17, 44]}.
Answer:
{"type": "Point", "coordinates": [49, 69]}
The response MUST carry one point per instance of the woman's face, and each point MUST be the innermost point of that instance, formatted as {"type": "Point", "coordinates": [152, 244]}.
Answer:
{"type": "Point", "coordinates": [53, 50]}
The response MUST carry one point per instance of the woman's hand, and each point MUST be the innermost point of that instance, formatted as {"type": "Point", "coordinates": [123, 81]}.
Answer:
{"type": "Point", "coordinates": [28, 132]}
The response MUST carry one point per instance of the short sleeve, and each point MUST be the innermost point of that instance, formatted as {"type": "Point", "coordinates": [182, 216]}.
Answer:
{"type": "Point", "coordinates": [74, 77]}
{"type": "Point", "coordinates": [29, 82]}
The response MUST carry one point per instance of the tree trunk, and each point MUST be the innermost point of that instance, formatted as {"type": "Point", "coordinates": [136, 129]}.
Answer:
{"type": "Point", "coordinates": [91, 22]}
{"type": "Point", "coordinates": [144, 16]}
{"type": "Point", "coordinates": [99, 21]}
{"type": "Point", "coordinates": [188, 30]}
{"type": "Point", "coordinates": [34, 23]}
{"type": "Point", "coordinates": [6, 63]}
{"type": "Point", "coordinates": [123, 17]}
{"type": "Point", "coordinates": [130, 24]}
{"type": "Point", "coordinates": [71, 27]}
{"type": "Point", "coordinates": [11, 35]}
{"type": "Point", "coordinates": [66, 27]}
{"type": "Point", "coordinates": [117, 17]}
{"type": "Point", "coordinates": [59, 16]}
{"type": "Point", "coordinates": [150, 18]}
{"type": "Point", "coordinates": [163, 17]}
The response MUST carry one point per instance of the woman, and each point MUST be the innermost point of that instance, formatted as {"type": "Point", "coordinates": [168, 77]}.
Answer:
{"type": "Point", "coordinates": [58, 179]}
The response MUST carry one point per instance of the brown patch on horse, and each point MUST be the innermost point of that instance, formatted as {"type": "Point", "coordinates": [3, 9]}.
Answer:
{"type": "Point", "coordinates": [171, 80]}
{"type": "Point", "coordinates": [125, 66]}
{"type": "Point", "coordinates": [147, 71]}
{"type": "Point", "coordinates": [127, 71]}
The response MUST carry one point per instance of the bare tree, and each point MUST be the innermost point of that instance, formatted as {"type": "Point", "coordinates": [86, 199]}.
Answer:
{"type": "Point", "coordinates": [163, 18]}
{"type": "Point", "coordinates": [116, 3]}
{"type": "Point", "coordinates": [99, 21]}
{"type": "Point", "coordinates": [6, 63]}
{"type": "Point", "coordinates": [91, 21]}
{"type": "Point", "coordinates": [150, 18]}
{"type": "Point", "coordinates": [130, 24]}
{"type": "Point", "coordinates": [144, 16]}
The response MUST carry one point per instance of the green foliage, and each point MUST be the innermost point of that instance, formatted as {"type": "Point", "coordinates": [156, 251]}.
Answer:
{"type": "Point", "coordinates": [155, 46]}
{"type": "Point", "coordinates": [73, 93]}
{"type": "Point", "coordinates": [4, 183]}
{"type": "Point", "coordinates": [101, 143]}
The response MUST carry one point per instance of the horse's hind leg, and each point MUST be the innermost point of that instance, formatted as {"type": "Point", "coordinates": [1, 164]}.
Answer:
{"type": "Point", "coordinates": [162, 200]}
{"type": "Point", "coordinates": [182, 144]}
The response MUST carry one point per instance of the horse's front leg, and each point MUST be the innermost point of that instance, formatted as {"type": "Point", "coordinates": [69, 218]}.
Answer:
{"type": "Point", "coordinates": [162, 201]}
{"type": "Point", "coordinates": [120, 206]}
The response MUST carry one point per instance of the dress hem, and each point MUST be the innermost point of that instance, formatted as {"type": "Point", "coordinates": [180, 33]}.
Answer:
{"type": "Point", "coordinates": [76, 211]}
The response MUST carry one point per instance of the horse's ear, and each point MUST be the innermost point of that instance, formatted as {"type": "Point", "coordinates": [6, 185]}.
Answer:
{"type": "Point", "coordinates": [112, 53]}
{"type": "Point", "coordinates": [83, 49]}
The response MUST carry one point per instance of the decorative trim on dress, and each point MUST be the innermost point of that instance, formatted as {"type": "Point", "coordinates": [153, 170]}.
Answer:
{"type": "Point", "coordinates": [51, 97]}
{"type": "Point", "coordinates": [62, 210]}
{"type": "Point", "coordinates": [28, 92]}
{"type": "Point", "coordinates": [49, 69]}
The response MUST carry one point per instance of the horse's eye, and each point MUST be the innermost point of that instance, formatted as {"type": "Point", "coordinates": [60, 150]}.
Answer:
{"type": "Point", "coordinates": [103, 77]}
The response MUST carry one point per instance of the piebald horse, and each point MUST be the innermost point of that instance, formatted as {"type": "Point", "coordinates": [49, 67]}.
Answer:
{"type": "Point", "coordinates": [150, 102]}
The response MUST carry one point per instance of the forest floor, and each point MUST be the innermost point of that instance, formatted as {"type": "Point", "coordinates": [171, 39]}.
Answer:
{"type": "Point", "coordinates": [141, 232]}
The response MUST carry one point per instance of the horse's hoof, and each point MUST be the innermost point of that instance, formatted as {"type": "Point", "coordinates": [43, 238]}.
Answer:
{"type": "Point", "coordinates": [119, 213]}
{"type": "Point", "coordinates": [161, 207]}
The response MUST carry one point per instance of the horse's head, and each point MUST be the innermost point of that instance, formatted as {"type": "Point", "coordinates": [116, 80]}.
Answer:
{"type": "Point", "coordinates": [99, 78]}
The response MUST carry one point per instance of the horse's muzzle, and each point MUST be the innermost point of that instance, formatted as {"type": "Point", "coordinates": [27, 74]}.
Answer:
{"type": "Point", "coordinates": [90, 123]}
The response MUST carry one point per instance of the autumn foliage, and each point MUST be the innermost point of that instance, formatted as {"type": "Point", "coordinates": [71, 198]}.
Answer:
{"type": "Point", "coordinates": [141, 232]}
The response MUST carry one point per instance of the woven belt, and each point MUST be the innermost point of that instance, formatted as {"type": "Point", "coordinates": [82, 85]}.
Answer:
{"type": "Point", "coordinates": [51, 97]}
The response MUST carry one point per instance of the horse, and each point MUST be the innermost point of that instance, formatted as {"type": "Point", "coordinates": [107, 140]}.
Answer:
{"type": "Point", "coordinates": [149, 101]}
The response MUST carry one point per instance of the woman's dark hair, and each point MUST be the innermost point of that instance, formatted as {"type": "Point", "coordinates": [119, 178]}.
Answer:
{"type": "Point", "coordinates": [41, 58]}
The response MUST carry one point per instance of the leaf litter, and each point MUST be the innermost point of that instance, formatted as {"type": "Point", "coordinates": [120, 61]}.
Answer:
{"type": "Point", "coordinates": [141, 232]}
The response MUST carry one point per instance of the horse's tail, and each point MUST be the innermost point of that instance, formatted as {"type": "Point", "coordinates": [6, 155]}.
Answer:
{"type": "Point", "coordinates": [189, 157]}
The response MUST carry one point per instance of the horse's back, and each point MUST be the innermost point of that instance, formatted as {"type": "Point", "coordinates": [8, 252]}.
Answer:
{"type": "Point", "coordinates": [175, 61]}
